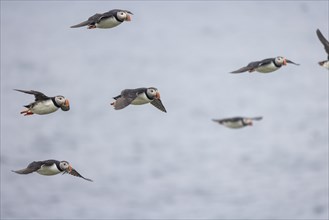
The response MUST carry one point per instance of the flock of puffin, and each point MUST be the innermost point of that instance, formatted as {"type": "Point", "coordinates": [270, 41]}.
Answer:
{"type": "Point", "coordinates": [45, 105]}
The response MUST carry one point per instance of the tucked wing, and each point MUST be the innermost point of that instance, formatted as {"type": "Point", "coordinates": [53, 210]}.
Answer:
{"type": "Point", "coordinates": [49, 162]}
{"type": "Point", "coordinates": [75, 173]}
{"type": "Point", "coordinates": [106, 15]}
{"type": "Point", "coordinates": [158, 104]}
{"type": "Point", "coordinates": [323, 40]}
{"type": "Point", "coordinates": [32, 167]}
{"type": "Point", "coordinates": [39, 96]}
{"type": "Point", "coordinates": [112, 13]}
{"type": "Point", "coordinates": [91, 21]}
{"type": "Point", "coordinates": [261, 63]}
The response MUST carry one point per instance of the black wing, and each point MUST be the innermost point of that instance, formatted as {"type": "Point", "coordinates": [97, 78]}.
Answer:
{"type": "Point", "coordinates": [91, 21]}
{"type": "Point", "coordinates": [243, 69]}
{"type": "Point", "coordinates": [126, 97]}
{"type": "Point", "coordinates": [75, 173]}
{"type": "Point", "coordinates": [234, 119]}
{"type": "Point", "coordinates": [112, 13]}
{"type": "Point", "coordinates": [253, 65]}
{"type": "Point", "coordinates": [262, 62]}
{"type": "Point", "coordinates": [158, 104]}
{"type": "Point", "coordinates": [32, 167]}
{"type": "Point", "coordinates": [289, 61]}
{"type": "Point", "coordinates": [39, 96]}
{"type": "Point", "coordinates": [323, 40]}
{"type": "Point", "coordinates": [107, 15]}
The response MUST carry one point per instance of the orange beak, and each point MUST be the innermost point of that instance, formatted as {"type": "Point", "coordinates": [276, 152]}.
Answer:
{"type": "Point", "coordinates": [70, 168]}
{"type": "Point", "coordinates": [67, 103]}
{"type": "Point", "coordinates": [157, 95]}
{"type": "Point", "coordinates": [128, 18]}
{"type": "Point", "coordinates": [284, 62]}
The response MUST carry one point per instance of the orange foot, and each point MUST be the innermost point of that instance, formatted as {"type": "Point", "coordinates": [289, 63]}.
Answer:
{"type": "Point", "coordinates": [92, 26]}
{"type": "Point", "coordinates": [27, 112]}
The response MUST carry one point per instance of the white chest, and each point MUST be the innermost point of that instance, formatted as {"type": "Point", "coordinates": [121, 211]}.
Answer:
{"type": "Point", "coordinates": [141, 99]}
{"type": "Point", "coordinates": [44, 107]}
{"type": "Point", "coordinates": [108, 23]}
{"type": "Point", "coordinates": [233, 124]}
{"type": "Point", "coordinates": [48, 170]}
{"type": "Point", "coordinates": [267, 68]}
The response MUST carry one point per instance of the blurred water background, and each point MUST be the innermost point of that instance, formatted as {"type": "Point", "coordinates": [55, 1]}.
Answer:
{"type": "Point", "coordinates": [147, 164]}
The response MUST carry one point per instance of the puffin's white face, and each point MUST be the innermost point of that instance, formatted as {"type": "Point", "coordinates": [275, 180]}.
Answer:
{"type": "Point", "coordinates": [153, 93]}
{"type": "Point", "coordinates": [280, 60]}
{"type": "Point", "coordinates": [62, 102]}
{"type": "Point", "coordinates": [122, 15]}
{"type": "Point", "coordinates": [64, 165]}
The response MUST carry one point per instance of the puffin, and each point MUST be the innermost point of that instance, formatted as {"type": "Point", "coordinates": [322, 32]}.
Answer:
{"type": "Point", "coordinates": [325, 43]}
{"type": "Point", "coordinates": [138, 96]}
{"type": "Point", "coordinates": [105, 20]}
{"type": "Point", "coordinates": [49, 168]}
{"type": "Point", "coordinates": [44, 104]}
{"type": "Point", "coordinates": [265, 66]}
{"type": "Point", "coordinates": [237, 122]}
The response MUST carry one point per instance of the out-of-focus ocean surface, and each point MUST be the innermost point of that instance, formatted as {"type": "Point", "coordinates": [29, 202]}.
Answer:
{"type": "Point", "coordinates": [147, 164]}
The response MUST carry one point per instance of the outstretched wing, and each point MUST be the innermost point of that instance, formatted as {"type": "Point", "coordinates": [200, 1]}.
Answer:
{"type": "Point", "coordinates": [323, 40]}
{"type": "Point", "coordinates": [39, 96]}
{"type": "Point", "coordinates": [91, 21]}
{"type": "Point", "coordinates": [126, 97]}
{"type": "Point", "coordinates": [251, 66]}
{"type": "Point", "coordinates": [75, 173]}
{"type": "Point", "coordinates": [289, 61]}
{"type": "Point", "coordinates": [32, 167]}
{"type": "Point", "coordinates": [257, 118]}
{"type": "Point", "coordinates": [158, 104]}
{"type": "Point", "coordinates": [243, 69]}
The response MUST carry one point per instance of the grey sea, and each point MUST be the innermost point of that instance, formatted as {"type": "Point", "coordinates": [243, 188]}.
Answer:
{"type": "Point", "coordinates": [147, 164]}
